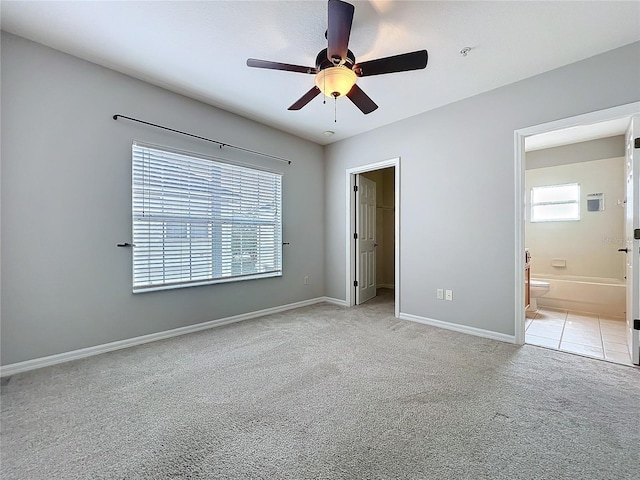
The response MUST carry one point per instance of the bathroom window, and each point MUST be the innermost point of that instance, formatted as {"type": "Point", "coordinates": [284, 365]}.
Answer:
{"type": "Point", "coordinates": [555, 203]}
{"type": "Point", "coordinates": [197, 220]}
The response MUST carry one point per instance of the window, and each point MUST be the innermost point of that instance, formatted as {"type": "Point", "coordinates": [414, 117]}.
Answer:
{"type": "Point", "coordinates": [555, 203]}
{"type": "Point", "coordinates": [198, 221]}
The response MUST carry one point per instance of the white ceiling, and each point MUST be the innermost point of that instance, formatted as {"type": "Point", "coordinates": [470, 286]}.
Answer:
{"type": "Point", "coordinates": [577, 134]}
{"type": "Point", "coordinates": [199, 49]}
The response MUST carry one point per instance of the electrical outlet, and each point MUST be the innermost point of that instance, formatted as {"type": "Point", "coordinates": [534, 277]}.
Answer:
{"type": "Point", "coordinates": [440, 294]}
{"type": "Point", "coordinates": [449, 295]}
{"type": "Point", "coordinates": [306, 279]}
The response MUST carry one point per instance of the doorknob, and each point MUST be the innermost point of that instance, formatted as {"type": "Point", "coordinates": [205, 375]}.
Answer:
{"type": "Point", "coordinates": [625, 250]}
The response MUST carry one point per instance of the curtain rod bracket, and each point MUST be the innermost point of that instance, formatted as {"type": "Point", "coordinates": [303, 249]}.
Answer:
{"type": "Point", "coordinates": [220, 144]}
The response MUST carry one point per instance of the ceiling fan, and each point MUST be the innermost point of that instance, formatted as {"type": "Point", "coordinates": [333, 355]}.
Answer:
{"type": "Point", "coordinates": [336, 69]}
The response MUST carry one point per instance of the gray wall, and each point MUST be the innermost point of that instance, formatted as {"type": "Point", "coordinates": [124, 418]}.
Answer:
{"type": "Point", "coordinates": [609, 147]}
{"type": "Point", "coordinates": [457, 187]}
{"type": "Point", "coordinates": [66, 202]}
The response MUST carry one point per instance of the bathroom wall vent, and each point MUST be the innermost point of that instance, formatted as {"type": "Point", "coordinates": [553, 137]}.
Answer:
{"type": "Point", "coordinates": [595, 202]}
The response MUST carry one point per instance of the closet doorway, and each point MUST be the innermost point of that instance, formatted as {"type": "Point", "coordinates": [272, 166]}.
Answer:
{"type": "Point", "coordinates": [373, 226]}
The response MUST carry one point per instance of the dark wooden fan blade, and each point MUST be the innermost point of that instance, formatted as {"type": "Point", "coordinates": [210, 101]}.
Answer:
{"type": "Point", "coordinates": [361, 100]}
{"type": "Point", "coordinates": [306, 98]}
{"type": "Point", "coordinates": [253, 62]}
{"type": "Point", "coordinates": [338, 30]}
{"type": "Point", "coordinates": [398, 63]}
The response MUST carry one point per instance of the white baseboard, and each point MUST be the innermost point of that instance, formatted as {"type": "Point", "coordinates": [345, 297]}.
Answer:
{"type": "Point", "coordinates": [335, 301]}
{"type": "Point", "coordinates": [386, 285]}
{"type": "Point", "coordinates": [478, 332]}
{"type": "Point", "coordinates": [13, 368]}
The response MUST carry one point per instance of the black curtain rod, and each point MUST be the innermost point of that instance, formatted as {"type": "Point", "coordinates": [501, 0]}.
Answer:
{"type": "Point", "coordinates": [221, 144]}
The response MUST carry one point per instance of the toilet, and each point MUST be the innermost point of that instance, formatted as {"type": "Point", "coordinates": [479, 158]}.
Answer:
{"type": "Point", "coordinates": [537, 289]}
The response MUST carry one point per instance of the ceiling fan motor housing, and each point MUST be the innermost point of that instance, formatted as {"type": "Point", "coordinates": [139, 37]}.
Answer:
{"type": "Point", "coordinates": [323, 62]}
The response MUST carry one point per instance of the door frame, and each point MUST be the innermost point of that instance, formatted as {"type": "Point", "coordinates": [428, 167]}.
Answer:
{"type": "Point", "coordinates": [613, 113]}
{"type": "Point", "coordinates": [350, 206]}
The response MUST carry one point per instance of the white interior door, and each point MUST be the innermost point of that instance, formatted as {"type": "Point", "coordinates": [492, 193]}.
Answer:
{"type": "Point", "coordinates": [365, 239]}
{"type": "Point", "coordinates": [632, 223]}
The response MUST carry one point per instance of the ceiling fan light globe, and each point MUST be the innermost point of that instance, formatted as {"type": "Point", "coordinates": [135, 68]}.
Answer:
{"type": "Point", "coordinates": [335, 81]}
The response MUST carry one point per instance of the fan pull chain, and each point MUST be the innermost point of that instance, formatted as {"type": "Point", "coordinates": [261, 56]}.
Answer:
{"type": "Point", "coordinates": [324, 89]}
{"type": "Point", "coordinates": [335, 109]}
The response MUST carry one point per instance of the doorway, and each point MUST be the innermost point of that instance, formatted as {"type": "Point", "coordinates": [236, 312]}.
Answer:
{"type": "Point", "coordinates": [386, 206]}
{"type": "Point", "coordinates": [568, 126]}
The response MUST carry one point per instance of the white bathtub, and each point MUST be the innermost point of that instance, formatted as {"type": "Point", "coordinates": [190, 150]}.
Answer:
{"type": "Point", "coordinates": [604, 296]}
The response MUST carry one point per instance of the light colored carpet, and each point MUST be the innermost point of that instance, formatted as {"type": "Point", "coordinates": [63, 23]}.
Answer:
{"type": "Point", "coordinates": [324, 392]}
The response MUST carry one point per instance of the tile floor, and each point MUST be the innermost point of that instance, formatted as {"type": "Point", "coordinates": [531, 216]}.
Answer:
{"type": "Point", "coordinates": [576, 332]}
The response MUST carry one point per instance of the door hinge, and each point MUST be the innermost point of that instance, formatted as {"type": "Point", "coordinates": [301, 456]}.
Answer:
{"type": "Point", "coordinates": [355, 236]}
{"type": "Point", "coordinates": [636, 142]}
{"type": "Point", "coordinates": [636, 234]}
{"type": "Point", "coordinates": [636, 324]}
{"type": "Point", "coordinates": [355, 188]}
{"type": "Point", "coordinates": [355, 283]}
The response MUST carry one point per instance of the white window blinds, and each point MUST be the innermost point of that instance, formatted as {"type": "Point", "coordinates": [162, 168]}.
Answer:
{"type": "Point", "coordinates": [198, 221]}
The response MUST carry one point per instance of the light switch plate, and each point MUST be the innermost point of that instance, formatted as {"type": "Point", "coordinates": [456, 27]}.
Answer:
{"type": "Point", "coordinates": [449, 295]}
{"type": "Point", "coordinates": [440, 294]}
